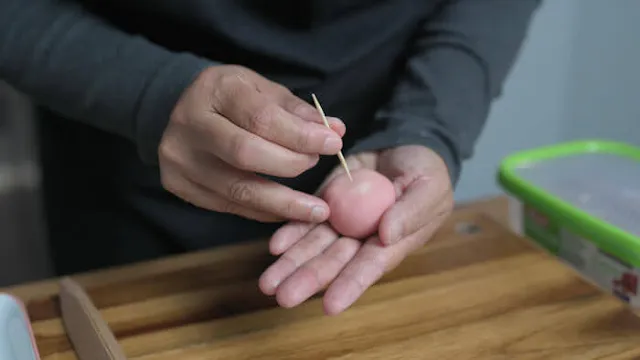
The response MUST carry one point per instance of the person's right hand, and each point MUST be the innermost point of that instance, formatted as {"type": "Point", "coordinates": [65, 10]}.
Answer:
{"type": "Point", "coordinates": [232, 124]}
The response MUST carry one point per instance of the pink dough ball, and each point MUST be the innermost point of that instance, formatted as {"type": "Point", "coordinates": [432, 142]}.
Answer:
{"type": "Point", "coordinates": [357, 206]}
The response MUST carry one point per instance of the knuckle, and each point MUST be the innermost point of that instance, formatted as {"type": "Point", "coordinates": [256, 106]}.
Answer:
{"type": "Point", "coordinates": [305, 111]}
{"type": "Point", "coordinates": [235, 78]}
{"type": "Point", "coordinates": [291, 209]}
{"type": "Point", "coordinates": [312, 268]}
{"type": "Point", "coordinates": [241, 152]}
{"type": "Point", "coordinates": [227, 207]}
{"type": "Point", "coordinates": [303, 140]}
{"type": "Point", "coordinates": [229, 78]}
{"type": "Point", "coordinates": [291, 258]}
{"type": "Point", "coordinates": [225, 91]}
{"type": "Point", "coordinates": [296, 105]}
{"type": "Point", "coordinates": [227, 82]}
{"type": "Point", "coordinates": [218, 99]}
{"type": "Point", "coordinates": [260, 119]}
{"type": "Point", "coordinates": [181, 114]}
{"type": "Point", "coordinates": [241, 192]}
{"type": "Point", "coordinates": [181, 118]}
{"type": "Point", "coordinates": [169, 153]}
{"type": "Point", "coordinates": [238, 69]}
{"type": "Point", "coordinates": [287, 209]}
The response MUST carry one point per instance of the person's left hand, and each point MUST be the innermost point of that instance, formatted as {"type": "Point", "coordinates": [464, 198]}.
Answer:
{"type": "Point", "coordinates": [314, 256]}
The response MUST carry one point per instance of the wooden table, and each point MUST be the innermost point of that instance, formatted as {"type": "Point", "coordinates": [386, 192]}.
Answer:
{"type": "Point", "coordinates": [487, 295]}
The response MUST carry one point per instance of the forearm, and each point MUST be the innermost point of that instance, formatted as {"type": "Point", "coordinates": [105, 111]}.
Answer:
{"type": "Point", "coordinates": [458, 63]}
{"type": "Point", "coordinates": [71, 61]}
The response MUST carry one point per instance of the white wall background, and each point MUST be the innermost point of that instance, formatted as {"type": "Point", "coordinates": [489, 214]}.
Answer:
{"type": "Point", "coordinates": [604, 93]}
{"type": "Point", "coordinates": [578, 75]}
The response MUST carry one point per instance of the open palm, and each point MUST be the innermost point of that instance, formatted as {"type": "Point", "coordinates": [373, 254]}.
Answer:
{"type": "Point", "coordinates": [314, 256]}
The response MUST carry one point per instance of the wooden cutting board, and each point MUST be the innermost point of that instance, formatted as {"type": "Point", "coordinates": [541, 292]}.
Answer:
{"type": "Point", "coordinates": [475, 291]}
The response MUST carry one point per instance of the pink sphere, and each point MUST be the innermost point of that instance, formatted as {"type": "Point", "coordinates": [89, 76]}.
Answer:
{"type": "Point", "coordinates": [357, 206]}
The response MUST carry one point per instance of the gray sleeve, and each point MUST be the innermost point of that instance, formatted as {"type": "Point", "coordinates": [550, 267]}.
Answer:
{"type": "Point", "coordinates": [456, 68]}
{"type": "Point", "coordinates": [76, 64]}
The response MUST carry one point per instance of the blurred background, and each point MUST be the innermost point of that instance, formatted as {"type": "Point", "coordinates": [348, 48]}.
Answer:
{"type": "Point", "coordinates": [578, 76]}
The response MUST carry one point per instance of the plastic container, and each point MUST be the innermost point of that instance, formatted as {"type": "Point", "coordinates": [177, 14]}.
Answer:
{"type": "Point", "coordinates": [581, 202]}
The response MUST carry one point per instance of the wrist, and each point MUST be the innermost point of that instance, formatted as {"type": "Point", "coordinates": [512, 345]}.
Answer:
{"type": "Point", "coordinates": [443, 150]}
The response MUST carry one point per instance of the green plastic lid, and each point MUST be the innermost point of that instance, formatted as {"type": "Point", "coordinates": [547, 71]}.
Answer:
{"type": "Point", "coordinates": [592, 187]}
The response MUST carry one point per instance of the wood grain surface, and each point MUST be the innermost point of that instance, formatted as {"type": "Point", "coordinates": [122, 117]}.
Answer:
{"type": "Point", "coordinates": [476, 291]}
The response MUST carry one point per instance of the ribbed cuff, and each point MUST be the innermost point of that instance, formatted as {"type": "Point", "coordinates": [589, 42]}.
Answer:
{"type": "Point", "coordinates": [159, 99]}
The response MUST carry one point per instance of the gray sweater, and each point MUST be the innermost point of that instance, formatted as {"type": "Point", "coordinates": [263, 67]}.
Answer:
{"type": "Point", "coordinates": [121, 65]}
{"type": "Point", "coordinates": [397, 72]}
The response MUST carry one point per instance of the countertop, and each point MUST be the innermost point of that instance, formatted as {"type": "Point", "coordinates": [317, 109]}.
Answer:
{"type": "Point", "coordinates": [475, 290]}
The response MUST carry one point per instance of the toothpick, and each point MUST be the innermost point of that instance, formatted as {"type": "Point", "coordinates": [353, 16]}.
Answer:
{"type": "Point", "coordinates": [340, 156]}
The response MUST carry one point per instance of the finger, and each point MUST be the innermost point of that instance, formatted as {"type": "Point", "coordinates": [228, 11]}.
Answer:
{"type": "Point", "coordinates": [259, 114]}
{"type": "Point", "coordinates": [255, 192]}
{"type": "Point", "coordinates": [199, 196]}
{"type": "Point", "coordinates": [312, 244]}
{"type": "Point", "coordinates": [370, 263]}
{"type": "Point", "coordinates": [306, 111]}
{"type": "Point", "coordinates": [287, 235]}
{"type": "Point", "coordinates": [295, 105]}
{"type": "Point", "coordinates": [422, 200]}
{"type": "Point", "coordinates": [317, 273]}
{"type": "Point", "coordinates": [337, 125]}
{"type": "Point", "coordinates": [365, 268]}
{"type": "Point", "coordinates": [287, 99]}
{"type": "Point", "coordinates": [247, 151]}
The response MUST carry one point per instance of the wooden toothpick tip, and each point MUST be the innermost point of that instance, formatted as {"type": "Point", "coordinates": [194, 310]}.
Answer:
{"type": "Point", "coordinates": [326, 123]}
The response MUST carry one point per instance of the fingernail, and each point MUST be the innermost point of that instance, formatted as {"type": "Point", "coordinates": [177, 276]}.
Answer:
{"type": "Point", "coordinates": [269, 286]}
{"type": "Point", "coordinates": [336, 120]}
{"type": "Point", "coordinates": [332, 144]}
{"type": "Point", "coordinates": [273, 285]}
{"type": "Point", "coordinates": [318, 214]}
{"type": "Point", "coordinates": [337, 126]}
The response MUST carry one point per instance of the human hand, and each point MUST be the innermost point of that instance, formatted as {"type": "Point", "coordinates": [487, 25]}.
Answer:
{"type": "Point", "coordinates": [230, 126]}
{"type": "Point", "coordinates": [314, 257]}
